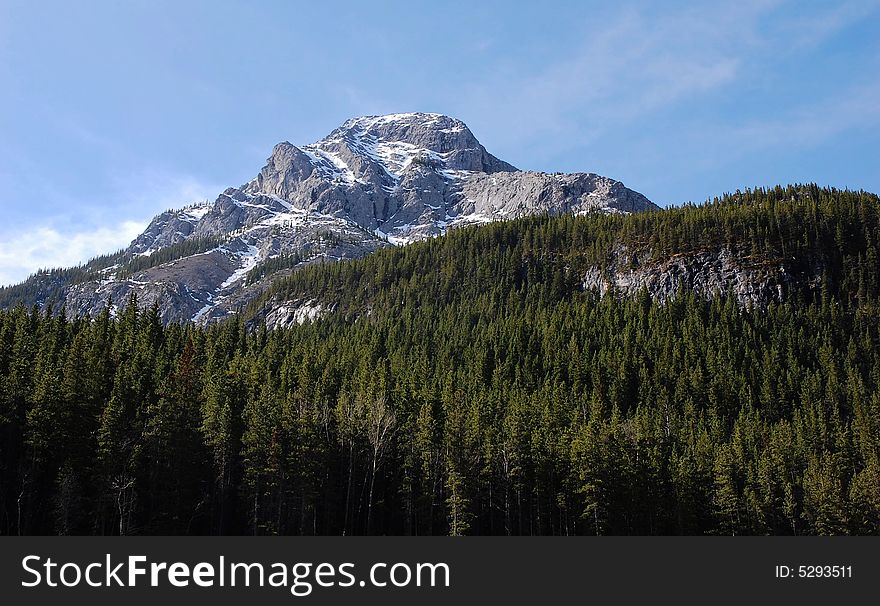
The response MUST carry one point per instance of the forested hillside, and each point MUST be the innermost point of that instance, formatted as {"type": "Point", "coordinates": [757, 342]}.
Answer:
{"type": "Point", "coordinates": [470, 385]}
{"type": "Point", "coordinates": [372, 182]}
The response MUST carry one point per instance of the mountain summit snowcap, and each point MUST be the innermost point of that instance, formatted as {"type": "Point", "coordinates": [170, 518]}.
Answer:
{"type": "Point", "coordinates": [413, 175]}
{"type": "Point", "coordinates": [397, 134]}
{"type": "Point", "coordinates": [372, 182]}
{"type": "Point", "coordinates": [379, 151]}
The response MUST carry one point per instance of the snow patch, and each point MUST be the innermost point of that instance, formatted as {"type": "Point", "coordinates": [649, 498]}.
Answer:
{"type": "Point", "coordinates": [195, 213]}
{"type": "Point", "coordinates": [288, 314]}
{"type": "Point", "coordinates": [202, 312]}
{"type": "Point", "coordinates": [393, 157]}
{"type": "Point", "coordinates": [249, 259]}
{"type": "Point", "coordinates": [330, 164]}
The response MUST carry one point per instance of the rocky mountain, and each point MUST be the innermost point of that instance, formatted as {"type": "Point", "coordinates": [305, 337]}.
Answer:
{"type": "Point", "coordinates": [724, 269]}
{"type": "Point", "coordinates": [373, 182]}
{"type": "Point", "coordinates": [759, 250]}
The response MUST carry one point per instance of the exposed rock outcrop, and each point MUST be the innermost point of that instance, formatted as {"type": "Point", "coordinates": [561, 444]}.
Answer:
{"type": "Point", "coordinates": [372, 182]}
{"type": "Point", "coordinates": [753, 282]}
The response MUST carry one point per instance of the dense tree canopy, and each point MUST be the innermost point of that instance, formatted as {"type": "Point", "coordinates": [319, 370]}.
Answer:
{"type": "Point", "coordinates": [468, 385]}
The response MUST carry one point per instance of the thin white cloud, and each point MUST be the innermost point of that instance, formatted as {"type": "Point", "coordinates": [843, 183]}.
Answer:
{"type": "Point", "coordinates": [638, 62]}
{"type": "Point", "coordinates": [47, 247]}
{"type": "Point", "coordinates": [812, 124]}
{"type": "Point", "coordinates": [97, 229]}
{"type": "Point", "coordinates": [154, 190]}
{"type": "Point", "coordinates": [627, 67]}
{"type": "Point", "coordinates": [810, 29]}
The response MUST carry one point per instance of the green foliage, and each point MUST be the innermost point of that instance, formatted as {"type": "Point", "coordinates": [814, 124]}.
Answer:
{"type": "Point", "coordinates": [832, 233]}
{"type": "Point", "coordinates": [273, 265]}
{"type": "Point", "coordinates": [185, 248]}
{"type": "Point", "coordinates": [468, 385]}
{"type": "Point", "coordinates": [46, 287]}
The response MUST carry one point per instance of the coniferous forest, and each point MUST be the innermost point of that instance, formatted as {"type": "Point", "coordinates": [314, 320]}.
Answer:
{"type": "Point", "coordinates": [470, 385]}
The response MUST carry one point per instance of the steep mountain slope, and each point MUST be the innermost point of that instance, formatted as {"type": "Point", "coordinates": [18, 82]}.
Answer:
{"type": "Point", "coordinates": [472, 384]}
{"type": "Point", "coordinates": [757, 247]}
{"type": "Point", "coordinates": [372, 182]}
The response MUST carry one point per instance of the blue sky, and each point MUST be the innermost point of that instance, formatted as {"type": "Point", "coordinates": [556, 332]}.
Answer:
{"type": "Point", "coordinates": [113, 111]}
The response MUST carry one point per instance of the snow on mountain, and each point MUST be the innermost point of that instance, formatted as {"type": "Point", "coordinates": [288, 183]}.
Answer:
{"type": "Point", "coordinates": [375, 181]}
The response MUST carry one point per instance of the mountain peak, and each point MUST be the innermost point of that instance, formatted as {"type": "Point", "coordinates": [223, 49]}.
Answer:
{"type": "Point", "coordinates": [426, 119]}
{"type": "Point", "coordinates": [397, 126]}
{"type": "Point", "coordinates": [433, 131]}
{"type": "Point", "coordinates": [373, 181]}
{"type": "Point", "coordinates": [391, 142]}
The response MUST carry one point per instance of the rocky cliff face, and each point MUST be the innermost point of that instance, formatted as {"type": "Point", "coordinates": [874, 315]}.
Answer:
{"type": "Point", "coordinates": [410, 176]}
{"type": "Point", "coordinates": [752, 281]}
{"type": "Point", "coordinates": [373, 182]}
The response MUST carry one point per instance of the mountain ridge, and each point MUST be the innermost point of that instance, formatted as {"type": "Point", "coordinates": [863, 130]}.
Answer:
{"type": "Point", "coordinates": [752, 248]}
{"type": "Point", "coordinates": [372, 182]}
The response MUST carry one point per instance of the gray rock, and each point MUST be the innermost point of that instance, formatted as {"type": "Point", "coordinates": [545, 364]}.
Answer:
{"type": "Point", "coordinates": [164, 230]}
{"type": "Point", "coordinates": [754, 283]}
{"type": "Point", "coordinates": [374, 181]}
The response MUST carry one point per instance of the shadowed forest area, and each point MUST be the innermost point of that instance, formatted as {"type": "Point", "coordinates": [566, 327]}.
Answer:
{"type": "Point", "coordinates": [470, 385]}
